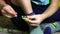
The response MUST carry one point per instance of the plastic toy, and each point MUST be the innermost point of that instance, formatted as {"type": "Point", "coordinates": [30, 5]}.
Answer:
{"type": "Point", "coordinates": [25, 18]}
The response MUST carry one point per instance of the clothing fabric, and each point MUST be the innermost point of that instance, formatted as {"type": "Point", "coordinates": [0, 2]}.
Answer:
{"type": "Point", "coordinates": [36, 30]}
{"type": "Point", "coordinates": [41, 2]}
{"type": "Point", "coordinates": [41, 28]}
{"type": "Point", "coordinates": [53, 27]}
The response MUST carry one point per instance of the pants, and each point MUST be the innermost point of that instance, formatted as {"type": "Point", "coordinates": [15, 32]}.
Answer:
{"type": "Point", "coordinates": [41, 28]}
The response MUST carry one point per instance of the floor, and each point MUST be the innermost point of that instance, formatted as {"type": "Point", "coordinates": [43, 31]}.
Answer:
{"type": "Point", "coordinates": [10, 31]}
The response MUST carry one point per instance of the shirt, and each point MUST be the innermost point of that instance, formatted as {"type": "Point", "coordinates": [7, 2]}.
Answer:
{"type": "Point", "coordinates": [41, 2]}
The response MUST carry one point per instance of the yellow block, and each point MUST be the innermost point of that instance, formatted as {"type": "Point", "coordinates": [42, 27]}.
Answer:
{"type": "Point", "coordinates": [59, 3]}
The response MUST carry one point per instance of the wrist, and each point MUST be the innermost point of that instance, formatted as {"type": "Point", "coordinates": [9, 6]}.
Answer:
{"type": "Point", "coordinates": [43, 16]}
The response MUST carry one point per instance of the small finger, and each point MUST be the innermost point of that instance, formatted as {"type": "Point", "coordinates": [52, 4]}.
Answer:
{"type": "Point", "coordinates": [7, 14]}
{"type": "Point", "coordinates": [10, 13]}
{"type": "Point", "coordinates": [33, 24]}
{"type": "Point", "coordinates": [10, 10]}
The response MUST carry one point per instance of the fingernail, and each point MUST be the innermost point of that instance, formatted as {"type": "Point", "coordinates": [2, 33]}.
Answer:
{"type": "Point", "coordinates": [15, 15]}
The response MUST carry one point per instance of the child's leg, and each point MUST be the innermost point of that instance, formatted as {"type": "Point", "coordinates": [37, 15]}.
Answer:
{"type": "Point", "coordinates": [53, 27]}
{"type": "Point", "coordinates": [35, 30]}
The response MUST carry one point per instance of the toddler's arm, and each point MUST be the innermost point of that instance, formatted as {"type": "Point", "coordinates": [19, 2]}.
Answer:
{"type": "Point", "coordinates": [51, 9]}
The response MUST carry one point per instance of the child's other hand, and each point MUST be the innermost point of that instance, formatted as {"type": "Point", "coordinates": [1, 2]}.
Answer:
{"type": "Point", "coordinates": [38, 19]}
{"type": "Point", "coordinates": [8, 11]}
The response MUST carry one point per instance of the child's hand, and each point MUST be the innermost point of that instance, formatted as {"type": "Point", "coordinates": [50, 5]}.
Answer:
{"type": "Point", "coordinates": [8, 11]}
{"type": "Point", "coordinates": [37, 20]}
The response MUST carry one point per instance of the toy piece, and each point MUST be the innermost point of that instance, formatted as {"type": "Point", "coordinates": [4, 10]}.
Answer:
{"type": "Point", "coordinates": [25, 18]}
